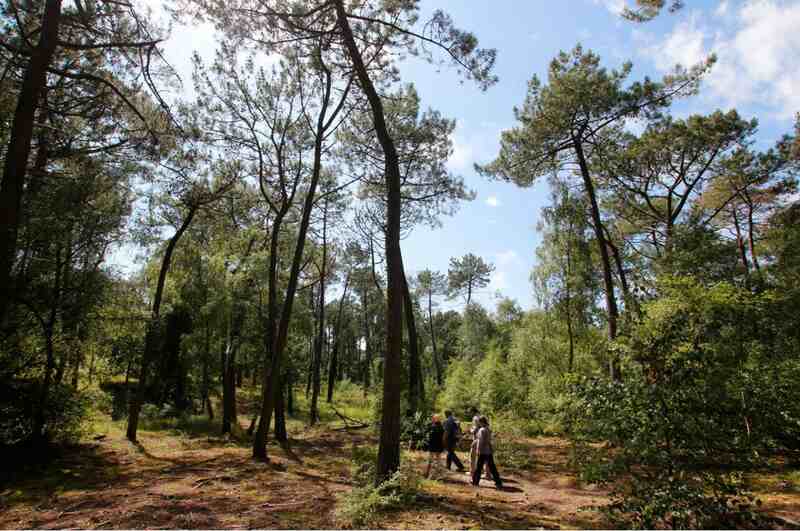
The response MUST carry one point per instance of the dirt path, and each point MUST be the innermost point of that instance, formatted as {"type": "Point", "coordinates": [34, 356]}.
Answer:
{"type": "Point", "coordinates": [174, 481]}
{"type": "Point", "coordinates": [546, 497]}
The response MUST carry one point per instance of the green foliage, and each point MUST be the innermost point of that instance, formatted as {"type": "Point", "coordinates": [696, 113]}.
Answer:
{"type": "Point", "coordinates": [414, 430]}
{"type": "Point", "coordinates": [703, 501]}
{"type": "Point", "coordinates": [707, 383]}
{"type": "Point", "coordinates": [66, 410]}
{"type": "Point", "coordinates": [363, 505]}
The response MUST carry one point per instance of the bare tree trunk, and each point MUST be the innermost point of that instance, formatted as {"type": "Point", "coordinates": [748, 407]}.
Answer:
{"type": "Point", "coordinates": [12, 185]}
{"type": "Point", "coordinates": [389, 446]}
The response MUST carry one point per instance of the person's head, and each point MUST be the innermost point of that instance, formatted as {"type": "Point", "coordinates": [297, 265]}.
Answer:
{"type": "Point", "coordinates": [448, 413]}
{"type": "Point", "coordinates": [483, 421]}
{"type": "Point", "coordinates": [435, 419]}
{"type": "Point", "coordinates": [473, 411]}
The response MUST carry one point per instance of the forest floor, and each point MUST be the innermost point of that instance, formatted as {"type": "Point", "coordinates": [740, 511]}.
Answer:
{"type": "Point", "coordinates": [185, 475]}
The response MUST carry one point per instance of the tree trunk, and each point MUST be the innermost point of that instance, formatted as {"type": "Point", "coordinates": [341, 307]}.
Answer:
{"type": "Point", "coordinates": [608, 280]}
{"type": "Point", "coordinates": [389, 446]}
{"type": "Point", "coordinates": [204, 390]}
{"type": "Point", "coordinates": [414, 369]}
{"type": "Point", "coordinates": [271, 376]}
{"type": "Point", "coordinates": [289, 394]}
{"type": "Point", "coordinates": [230, 368]}
{"type": "Point", "coordinates": [19, 146]}
{"type": "Point", "coordinates": [153, 328]}
{"type": "Point", "coordinates": [313, 413]}
{"type": "Point", "coordinates": [437, 363]}
{"type": "Point", "coordinates": [333, 368]}
{"type": "Point", "coordinates": [367, 343]}
{"type": "Point", "coordinates": [40, 415]}
{"type": "Point", "coordinates": [740, 244]}
{"type": "Point", "coordinates": [752, 240]}
{"type": "Point", "coordinates": [280, 415]}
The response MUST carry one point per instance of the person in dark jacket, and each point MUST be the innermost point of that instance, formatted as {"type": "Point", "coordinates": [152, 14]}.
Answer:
{"type": "Point", "coordinates": [485, 454]}
{"type": "Point", "coordinates": [435, 444]}
{"type": "Point", "coordinates": [452, 431]}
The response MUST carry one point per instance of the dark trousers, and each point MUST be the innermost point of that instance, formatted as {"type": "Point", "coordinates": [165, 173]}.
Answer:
{"type": "Point", "coordinates": [452, 458]}
{"type": "Point", "coordinates": [488, 460]}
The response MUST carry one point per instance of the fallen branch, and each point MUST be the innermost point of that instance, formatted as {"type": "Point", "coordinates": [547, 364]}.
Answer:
{"type": "Point", "coordinates": [349, 422]}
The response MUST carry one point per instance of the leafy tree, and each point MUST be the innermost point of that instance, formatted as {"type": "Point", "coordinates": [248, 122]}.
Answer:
{"type": "Point", "coordinates": [431, 284]}
{"type": "Point", "coordinates": [96, 49]}
{"type": "Point", "coordinates": [565, 124]}
{"type": "Point", "coordinates": [466, 274]}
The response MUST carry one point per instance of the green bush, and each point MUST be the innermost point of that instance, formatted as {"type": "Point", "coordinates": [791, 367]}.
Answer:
{"type": "Point", "coordinates": [66, 410]}
{"type": "Point", "coordinates": [707, 383]}
{"type": "Point", "coordinates": [678, 502]}
{"type": "Point", "coordinates": [363, 505]}
{"type": "Point", "coordinates": [414, 430]}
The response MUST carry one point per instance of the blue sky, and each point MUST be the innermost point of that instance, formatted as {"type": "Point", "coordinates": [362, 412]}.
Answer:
{"type": "Point", "coordinates": [758, 71]}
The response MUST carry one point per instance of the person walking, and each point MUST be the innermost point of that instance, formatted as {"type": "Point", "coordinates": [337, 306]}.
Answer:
{"type": "Point", "coordinates": [473, 449]}
{"type": "Point", "coordinates": [452, 432]}
{"type": "Point", "coordinates": [485, 454]}
{"type": "Point", "coordinates": [435, 445]}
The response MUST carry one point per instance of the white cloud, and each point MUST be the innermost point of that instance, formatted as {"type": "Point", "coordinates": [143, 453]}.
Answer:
{"type": "Point", "coordinates": [492, 201]}
{"type": "Point", "coordinates": [462, 155]}
{"type": "Point", "coordinates": [498, 281]}
{"type": "Point", "coordinates": [685, 46]}
{"type": "Point", "coordinates": [506, 258]}
{"type": "Point", "coordinates": [758, 53]}
{"type": "Point", "coordinates": [614, 6]}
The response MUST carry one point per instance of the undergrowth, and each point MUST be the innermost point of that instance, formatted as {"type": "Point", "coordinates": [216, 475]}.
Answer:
{"type": "Point", "coordinates": [363, 505]}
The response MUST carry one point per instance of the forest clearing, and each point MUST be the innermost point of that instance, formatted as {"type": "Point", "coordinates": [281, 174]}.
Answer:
{"type": "Point", "coordinates": [186, 476]}
{"type": "Point", "coordinates": [272, 263]}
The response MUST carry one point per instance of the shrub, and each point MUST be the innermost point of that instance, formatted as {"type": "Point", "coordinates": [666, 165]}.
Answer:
{"type": "Point", "coordinates": [678, 502]}
{"type": "Point", "coordinates": [362, 506]}
{"type": "Point", "coordinates": [707, 384]}
{"type": "Point", "coordinates": [64, 417]}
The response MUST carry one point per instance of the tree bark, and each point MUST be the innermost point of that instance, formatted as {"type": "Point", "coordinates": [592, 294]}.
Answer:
{"type": "Point", "coordinates": [19, 146]}
{"type": "Point", "coordinates": [389, 446]}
